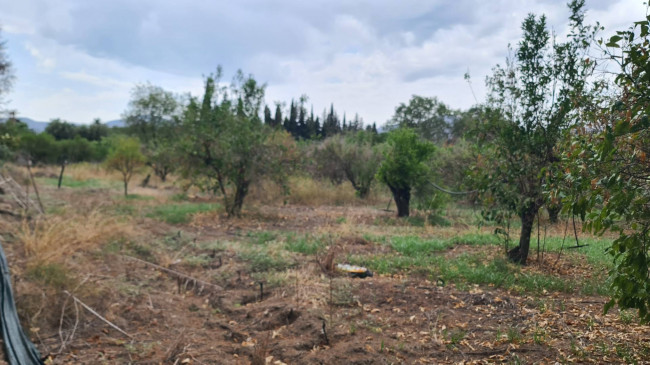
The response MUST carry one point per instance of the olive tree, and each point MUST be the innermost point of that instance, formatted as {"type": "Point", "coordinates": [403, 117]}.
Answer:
{"type": "Point", "coordinates": [532, 101]}
{"type": "Point", "coordinates": [225, 145]}
{"type": "Point", "coordinates": [125, 157]}
{"type": "Point", "coordinates": [354, 156]}
{"type": "Point", "coordinates": [153, 116]}
{"type": "Point", "coordinates": [405, 166]}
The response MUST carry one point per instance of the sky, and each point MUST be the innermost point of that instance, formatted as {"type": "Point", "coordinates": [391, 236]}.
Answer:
{"type": "Point", "coordinates": [79, 59]}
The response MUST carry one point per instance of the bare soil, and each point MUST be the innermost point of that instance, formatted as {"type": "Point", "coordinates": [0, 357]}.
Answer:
{"type": "Point", "coordinates": [310, 316]}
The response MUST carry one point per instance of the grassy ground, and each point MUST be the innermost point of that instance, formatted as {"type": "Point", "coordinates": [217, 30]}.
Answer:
{"type": "Point", "coordinates": [257, 288]}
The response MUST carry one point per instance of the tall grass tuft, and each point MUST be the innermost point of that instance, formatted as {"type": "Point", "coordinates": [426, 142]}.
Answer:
{"type": "Point", "coordinates": [48, 240]}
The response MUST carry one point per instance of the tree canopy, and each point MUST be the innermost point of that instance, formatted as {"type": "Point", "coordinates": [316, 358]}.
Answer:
{"type": "Point", "coordinates": [225, 145]}
{"type": "Point", "coordinates": [6, 72]}
{"type": "Point", "coordinates": [530, 105]}
{"type": "Point", "coordinates": [405, 166]}
{"type": "Point", "coordinates": [606, 168]}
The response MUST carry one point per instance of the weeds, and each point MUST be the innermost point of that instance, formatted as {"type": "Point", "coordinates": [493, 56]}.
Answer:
{"type": "Point", "coordinates": [263, 260]}
{"type": "Point", "coordinates": [539, 336]}
{"type": "Point", "coordinates": [513, 335]}
{"type": "Point", "coordinates": [307, 245]}
{"type": "Point", "coordinates": [76, 184]}
{"type": "Point", "coordinates": [456, 336]}
{"type": "Point", "coordinates": [53, 275]}
{"type": "Point", "coordinates": [627, 316]}
{"type": "Point", "coordinates": [260, 238]}
{"type": "Point", "coordinates": [179, 213]}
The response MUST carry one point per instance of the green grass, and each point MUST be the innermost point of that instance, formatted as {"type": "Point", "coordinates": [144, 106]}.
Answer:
{"type": "Point", "coordinates": [179, 213]}
{"type": "Point", "coordinates": [176, 240]}
{"type": "Point", "coordinates": [474, 269]}
{"type": "Point", "coordinates": [53, 275]}
{"type": "Point", "coordinates": [594, 251]}
{"type": "Point", "coordinates": [69, 182]}
{"type": "Point", "coordinates": [179, 197]}
{"type": "Point", "coordinates": [307, 245]}
{"type": "Point", "coordinates": [415, 246]}
{"type": "Point", "coordinates": [262, 260]}
{"type": "Point", "coordinates": [260, 238]}
{"type": "Point", "coordinates": [137, 197]}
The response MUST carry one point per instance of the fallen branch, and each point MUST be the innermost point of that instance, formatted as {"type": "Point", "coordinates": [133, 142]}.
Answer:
{"type": "Point", "coordinates": [176, 274]}
{"type": "Point", "coordinates": [10, 213]}
{"type": "Point", "coordinates": [97, 314]}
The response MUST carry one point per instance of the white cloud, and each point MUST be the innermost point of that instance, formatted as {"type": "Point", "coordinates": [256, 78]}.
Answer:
{"type": "Point", "coordinates": [368, 56]}
{"type": "Point", "coordinates": [44, 62]}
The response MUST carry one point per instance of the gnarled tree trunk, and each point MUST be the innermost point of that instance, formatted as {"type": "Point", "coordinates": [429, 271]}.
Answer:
{"type": "Point", "coordinates": [234, 210]}
{"type": "Point", "coordinates": [402, 198]}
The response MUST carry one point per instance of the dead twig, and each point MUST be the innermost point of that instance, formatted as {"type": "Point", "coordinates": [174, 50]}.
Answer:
{"type": "Point", "coordinates": [175, 349]}
{"type": "Point", "coordinates": [174, 273]}
{"type": "Point", "coordinates": [97, 314]}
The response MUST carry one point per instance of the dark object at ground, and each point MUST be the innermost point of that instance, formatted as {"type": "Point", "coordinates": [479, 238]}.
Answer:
{"type": "Point", "coordinates": [361, 275]}
{"type": "Point", "coordinates": [19, 350]}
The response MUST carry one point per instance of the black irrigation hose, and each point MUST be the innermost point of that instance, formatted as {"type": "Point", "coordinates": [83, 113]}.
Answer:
{"type": "Point", "coordinates": [19, 350]}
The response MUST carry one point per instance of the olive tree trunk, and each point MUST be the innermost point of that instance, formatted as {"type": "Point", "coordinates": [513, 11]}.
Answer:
{"type": "Point", "coordinates": [402, 198]}
{"type": "Point", "coordinates": [519, 254]}
{"type": "Point", "coordinates": [233, 209]}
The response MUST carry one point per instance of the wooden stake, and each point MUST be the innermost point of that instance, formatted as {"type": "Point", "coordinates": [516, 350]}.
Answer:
{"type": "Point", "coordinates": [31, 176]}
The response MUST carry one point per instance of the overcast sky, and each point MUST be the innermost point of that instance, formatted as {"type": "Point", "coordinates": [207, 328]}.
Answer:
{"type": "Point", "coordinates": [79, 59]}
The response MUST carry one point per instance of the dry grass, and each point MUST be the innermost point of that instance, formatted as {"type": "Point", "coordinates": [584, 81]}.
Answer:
{"type": "Point", "coordinates": [305, 190]}
{"type": "Point", "coordinates": [308, 191]}
{"type": "Point", "coordinates": [49, 240]}
{"type": "Point", "coordinates": [86, 171]}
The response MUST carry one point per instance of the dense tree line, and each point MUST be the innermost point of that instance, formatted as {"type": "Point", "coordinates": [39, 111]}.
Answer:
{"type": "Point", "coordinates": [304, 125]}
{"type": "Point", "coordinates": [61, 142]}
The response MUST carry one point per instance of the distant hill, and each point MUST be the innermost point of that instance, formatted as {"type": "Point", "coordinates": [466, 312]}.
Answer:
{"type": "Point", "coordinates": [39, 127]}
{"type": "Point", "coordinates": [34, 125]}
{"type": "Point", "coordinates": [116, 123]}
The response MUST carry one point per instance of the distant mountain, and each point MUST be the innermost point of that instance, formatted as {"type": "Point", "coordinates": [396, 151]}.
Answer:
{"type": "Point", "coordinates": [34, 125]}
{"type": "Point", "coordinates": [119, 123]}
{"type": "Point", "coordinates": [39, 127]}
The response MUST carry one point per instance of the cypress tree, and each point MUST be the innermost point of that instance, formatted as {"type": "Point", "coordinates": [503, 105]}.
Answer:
{"type": "Point", "coordinates": [277, 121]}
{"type": "Point", "coordinates": [267, 116]}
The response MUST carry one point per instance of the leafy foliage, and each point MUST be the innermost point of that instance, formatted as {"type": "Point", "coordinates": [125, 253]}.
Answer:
{"type": "Point", "coordinates": [355, 157]}
{"type": "Point", "coordinates": [531, 103]}
{"type": "Point", "coordinates": [227, 148]}
{"type": "Point", "coordinates": [606, 169]}
{"type": "Point", "coordinates": [60, 129]}
{"type": "Point", "coordinates": [428, 116]}
{"type": "Point", "coordinates": [153, 116]}
{"type": "Point", "coordinates": [405, 166]}
{"type": "Point", "coordinates": [125, 157]}
{"type": "Point", "coordinates": [6, 72]}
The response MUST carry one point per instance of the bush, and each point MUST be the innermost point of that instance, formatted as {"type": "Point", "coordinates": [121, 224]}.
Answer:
{"type": "Point", "coordinates": [354, 157]}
